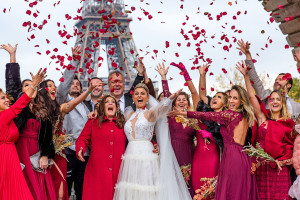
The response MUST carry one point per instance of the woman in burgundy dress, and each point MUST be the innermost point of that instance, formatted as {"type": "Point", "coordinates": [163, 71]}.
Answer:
{"type": "Point", "coordinates": [12, 183]}
{"type": "Point", "coordinates": [235, 182]}
{"type": "Point", "coordinates": [274, 136]}
{"type": "Point", "coordinates": [182, 137]}
{"type": "Point", "coordinates": [107, 139]}
{"type": "Point", "coordinates": [59, 168]}
{"type": "Point", "coordinates": [206, 160]}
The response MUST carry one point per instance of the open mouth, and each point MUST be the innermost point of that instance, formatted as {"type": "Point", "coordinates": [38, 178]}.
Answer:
{"type": "Point", "coordinates": [214, 102]}
{"type": "Point", "coordinates": [7, 104]}
{"type": "Point", "coordinates": [276, 106]}
{"type": "Point", "coordinates": [140, 100]}
{"type": "Point", "coordinates": [110, 109]}
{"type": "Point", "coordinates": [53, 93]}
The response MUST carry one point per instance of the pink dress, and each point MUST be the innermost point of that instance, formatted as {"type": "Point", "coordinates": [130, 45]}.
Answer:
{"type": "Point", "coordinates": [12, 182]}
{"type": "Point", "coordinates": [235, 182]}
{"type": "Point", "coordinates": [40, 184]}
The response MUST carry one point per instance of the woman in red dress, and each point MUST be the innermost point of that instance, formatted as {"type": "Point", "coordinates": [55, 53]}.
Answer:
{"type": "Point", "coordinates": [12, 182]}
{"type": "Point", "coordinates": [59, 168]}
{"type": "Point", "coordinates": [107, 139]}
{"type": "Point", "coordinates": [275, 137]}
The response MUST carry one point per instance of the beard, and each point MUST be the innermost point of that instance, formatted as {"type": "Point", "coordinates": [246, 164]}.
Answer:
{"type": "Point", "coordinates": [74, 94]}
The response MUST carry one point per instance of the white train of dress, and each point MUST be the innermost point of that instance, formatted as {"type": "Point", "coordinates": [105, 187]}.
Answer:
{"type": "Point", "coordinates": [142, 175]}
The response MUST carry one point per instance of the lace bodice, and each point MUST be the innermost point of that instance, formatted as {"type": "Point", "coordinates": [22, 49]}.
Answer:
{"type": "Point", "coordinates": [137, 126]}
{"type": "Point", "coordinates": [143, 128]}
{"type": "Point", "coordinates": [227, 119]}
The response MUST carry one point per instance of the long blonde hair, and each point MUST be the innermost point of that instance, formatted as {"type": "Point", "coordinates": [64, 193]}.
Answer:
{"type": "Point", "coordinates": [284, 112]}
{"type": "Point", "coordinates": [245, 108]}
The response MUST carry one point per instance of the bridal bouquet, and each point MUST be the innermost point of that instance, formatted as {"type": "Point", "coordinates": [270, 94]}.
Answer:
{"type": "Point", "coordinates": [259, 153]}
{"type": "Point", "coordinates": [207, 190]}
{"type": "Point", "coordinates": [186, 172]}
{"type": "Point", "coordinates": [261, 156]}
{"type": "Point", "coordinates": [61, 142]}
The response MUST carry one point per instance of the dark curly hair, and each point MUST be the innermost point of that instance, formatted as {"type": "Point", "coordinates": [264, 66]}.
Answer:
{"type": "Point", "coordinates": [120, 121]}
{"type": "Point", "coordinates": [43, 107]}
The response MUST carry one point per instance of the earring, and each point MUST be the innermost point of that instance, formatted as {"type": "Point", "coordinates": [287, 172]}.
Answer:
{"type": "Point", "coordinates": [133, 102]}
{"type": "Point", "coordinates": [147, 102]}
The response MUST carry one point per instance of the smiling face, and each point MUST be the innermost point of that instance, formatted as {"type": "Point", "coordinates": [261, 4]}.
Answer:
{"type": "Point", "coordinates": [75, 89]}
{"type": "Point", "coordinates": [279, 83]}
{"type": "Point", "coordinates": [181, 103]}
{"type": "Point", "coordinates": [234, 101]}
{"type": "Point", "coordinates": [275, 103]}
{"type": "Point", "coordinates": [116, 85]}
{"type": "Point", "coordinates": [140, 97]}
{"type": "Point", "coordinates": [25, 85]}
{"type": "Point", "coordinates": [4, 101]}
{"type": "Point", "coordinates": [218, 102]}
{"type": "Point", "coordinates": [98, 90]}
{"type": "Point", "coordinates": [51, 90]}
{"type": "Point", "coordinates": [110, 107]}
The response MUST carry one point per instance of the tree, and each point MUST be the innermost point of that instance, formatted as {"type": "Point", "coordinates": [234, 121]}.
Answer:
{"type": "Point", "coordinates": [295, 91]}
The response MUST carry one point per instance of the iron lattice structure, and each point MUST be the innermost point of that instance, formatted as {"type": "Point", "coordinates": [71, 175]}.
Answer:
{"type": "Point", "coordinates": [105, 22]}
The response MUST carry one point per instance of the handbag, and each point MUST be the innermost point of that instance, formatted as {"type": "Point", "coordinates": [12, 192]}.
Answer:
{"type": "Point", "coordinates": [22, 166]}
{"type": "Point", "coordinates": [34, 159]}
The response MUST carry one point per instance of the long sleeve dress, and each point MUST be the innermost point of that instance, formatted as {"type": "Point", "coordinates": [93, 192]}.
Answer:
{"type": "Point", "coordinates": [182, 139]}
{"type": "Point", "coordinates": [276, 139]}
{"type": "Point", "coordinates": [235, 182]}
{"type": "Point", "coordinates": [12, 182]}
{"type": "Point", "coordinates": [107, 147]}
{"type": "Point", "coordinates": [206, 159]}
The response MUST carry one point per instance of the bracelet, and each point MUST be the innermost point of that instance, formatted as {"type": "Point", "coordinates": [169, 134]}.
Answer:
{"type": "Point", "coordinates": [33, 88]}
{"type": "Point", "coordinates": [89, 92]}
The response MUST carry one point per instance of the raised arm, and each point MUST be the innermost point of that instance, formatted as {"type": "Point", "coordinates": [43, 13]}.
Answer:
{"type": "Point", "coordinates": [138, 79]}
{"type": "Point", "coordinates": [163, 71]}
{"type": "Point", "coordinates": [148, 81]}
{"type": "Point", "coordinates": [261, 92]}
{"type": "Point", "coordinates": [202, 83]}
{"type": "Point", "coordinates": [160, 109]}
{"type": "Point", "coordinates": [12, 73]}
{"type": "Point", "coordinates": [69, 73]}
{"type": "Point", "coordinates": [257, 110]}
{"type": "Point", "coordinates": [187, 78]}
{"type": "Point", "coordinates": [22, 102]}
{"type": "Point", "coordinates": [68, 107]}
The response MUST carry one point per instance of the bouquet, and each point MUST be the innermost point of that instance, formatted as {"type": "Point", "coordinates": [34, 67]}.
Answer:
{"type": "Point", "coordinates": [207, 190]}
{"type": "Point", "coordinates": [61, 142]}
{"type": "Point", "coordinates": [186, 172]}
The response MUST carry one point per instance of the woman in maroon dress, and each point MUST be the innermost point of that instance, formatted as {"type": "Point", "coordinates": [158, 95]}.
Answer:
{"type": "Point", "coordinates": [235, 182]}
{"type": "Point", "coordinates": [59, 168]}
{"type": "Point", "coordinates": [12, 183]}
{"type": "Point", "coordinates": [275, 137]}
{"type": "Point", "coordinates": [105, 135]}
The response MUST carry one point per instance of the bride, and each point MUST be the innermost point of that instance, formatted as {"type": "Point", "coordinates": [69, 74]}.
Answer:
{"type": "Point", "coordinates": [143, 174]}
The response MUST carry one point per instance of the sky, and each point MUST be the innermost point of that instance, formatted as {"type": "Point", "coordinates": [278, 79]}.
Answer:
{"type": "Point", "coordinates": [152, 34]}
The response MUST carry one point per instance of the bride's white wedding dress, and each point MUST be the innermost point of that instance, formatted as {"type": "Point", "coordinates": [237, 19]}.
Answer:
{"type": "Point", "coordinates": [143, 174]}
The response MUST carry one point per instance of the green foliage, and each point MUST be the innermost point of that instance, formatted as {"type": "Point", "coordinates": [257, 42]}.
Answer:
{"type": "Point", "coordinates": [295, 91]}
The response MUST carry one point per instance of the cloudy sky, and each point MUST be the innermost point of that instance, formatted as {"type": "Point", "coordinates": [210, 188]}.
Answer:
{"type": "Point", "coordinates": [152, 34]}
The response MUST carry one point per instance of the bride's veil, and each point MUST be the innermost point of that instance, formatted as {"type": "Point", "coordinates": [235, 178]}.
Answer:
{"type": "Point", "coordinates": [171, 183]}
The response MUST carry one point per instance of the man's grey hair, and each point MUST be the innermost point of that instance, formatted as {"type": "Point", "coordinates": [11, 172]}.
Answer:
{"type": "Point", "coordinates": [115, 72]}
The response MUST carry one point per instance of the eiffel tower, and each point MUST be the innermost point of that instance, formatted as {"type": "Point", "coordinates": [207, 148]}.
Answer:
{"type": "Point", "coordinates": [105, 24]}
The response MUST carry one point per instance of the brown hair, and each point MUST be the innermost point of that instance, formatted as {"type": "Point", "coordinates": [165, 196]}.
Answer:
{"type": "Point", "coordinates": [225, 99]}
{"type": "Point", "coordinates": [284, 112]}
{"type": "Point", "coordinates": [120, 121]}
{"type": "Point", "coordinates": [245, 108]}
{"type": "Point", "coordinates": [186, 96]}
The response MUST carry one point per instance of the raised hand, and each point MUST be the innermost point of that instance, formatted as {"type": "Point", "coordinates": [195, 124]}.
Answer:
{"type": "Point", "coordinates": [11, 50]}
{"type": "Point", "coordinates": [175, 113]}
{"type": "Point", "coordinates": [76, 52]}
{"type": "Point", "coordinates": [140, 67]}
{"type": "Point", "coordinates": [92, 86]}
{"type": "Point", "coordinates": [161, 69]}
{"type": "Point", "coordinates": [242, 67]}
{"type": "Point", "coordinates": [245, 48]}
{"type": "Point", "coordinates": [39, 77]}
{"type": "Point", "coordinates": [203, 69]}
{"type": "Point", "coordinates": [297, 56]}
{"type": "Point", "coordinates": [175, 94]}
